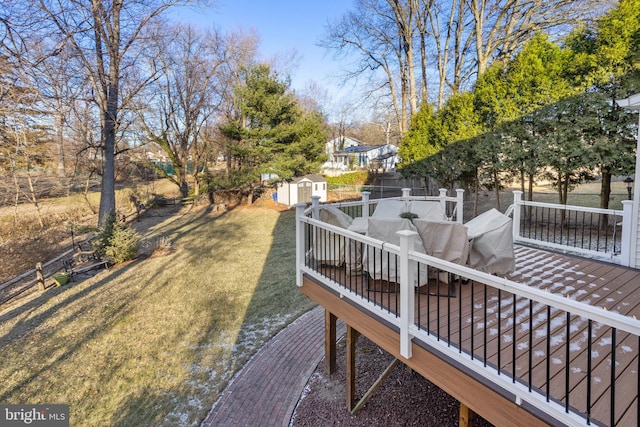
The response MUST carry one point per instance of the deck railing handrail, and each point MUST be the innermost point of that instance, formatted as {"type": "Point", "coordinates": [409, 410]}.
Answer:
{"type": "Point", "coordinates": [572, 208]}
{"type": "Point", "coordinates": [403, 318]}
{"type": "Point", "coordinates": [615, 248]}
{"type": "Point", "coordinates": [366, 202]}
{"type": "Point", "coordinates": [598, 314]}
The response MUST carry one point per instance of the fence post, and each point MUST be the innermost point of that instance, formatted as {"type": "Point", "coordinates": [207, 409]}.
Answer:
{"type": "Point", "coordinates": [40, 276]}
{"type": "Point", "coordinates": [315, 205]}
{"type": "Point", "coordinates": [625, 243]}
{"type": "Point", "coordinates": [300, 248]}
{"type": "Point", "coordinates": [517, 211]}
{"type": "Point", "coordinates": [443, 201]}
{"type": "Point", "coordinates": [406, 194]}
{"type": "Point", "coordinates": [365, 203]}
{"type": "Point", "coordinates": [460, 205]}
{"type": "Point", "coordinates": [407, 291]}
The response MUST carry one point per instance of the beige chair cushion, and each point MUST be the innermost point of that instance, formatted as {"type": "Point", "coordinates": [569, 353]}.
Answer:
{"type": "Point", "coordinates": [389, 209]}
{"type": "Point", "coordinates": [428, 210]}
{"type": "Point", "coordinates": [444, 239]}
{"type": "Point", "coordinates": [491, 243]}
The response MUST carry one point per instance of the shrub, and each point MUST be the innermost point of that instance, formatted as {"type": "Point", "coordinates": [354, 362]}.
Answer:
{"type": "Point", "coordinates": [409, 215]}
{"type": "Point", "coordinates": [161, 246]}
{"type": "Point", "coordinates": [116, 240]}
{"type": "Point", "coordinates": [104, 234]}
{"type": "Point", "coordinates": [352, 178]}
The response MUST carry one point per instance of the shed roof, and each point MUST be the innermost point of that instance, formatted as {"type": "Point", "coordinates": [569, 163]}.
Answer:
{"type": "Point", "coordinates": [314, 177]}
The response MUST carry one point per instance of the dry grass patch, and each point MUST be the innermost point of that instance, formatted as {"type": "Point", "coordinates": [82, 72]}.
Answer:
{"type": "Point", "coordinates": [155, 341]}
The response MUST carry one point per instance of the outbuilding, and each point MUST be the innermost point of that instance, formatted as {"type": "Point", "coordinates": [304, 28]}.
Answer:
{"type": "Point", "coordinates": [300, 189]}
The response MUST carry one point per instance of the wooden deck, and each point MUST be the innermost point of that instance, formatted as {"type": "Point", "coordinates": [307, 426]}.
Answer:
{"type": "Point", "coordinates": [563, 356]}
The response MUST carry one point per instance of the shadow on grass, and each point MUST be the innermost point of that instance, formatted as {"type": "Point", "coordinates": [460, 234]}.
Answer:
{"type": "Point", "coordinates": [276, 300]}
{"type": "Point", "coordinates": [53, 328]}
{"type": "Point", "coordinates": [68, 297]}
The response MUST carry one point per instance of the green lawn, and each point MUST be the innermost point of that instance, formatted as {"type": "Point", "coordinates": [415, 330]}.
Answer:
{"type": "Point", "coordinates": [155, 341]}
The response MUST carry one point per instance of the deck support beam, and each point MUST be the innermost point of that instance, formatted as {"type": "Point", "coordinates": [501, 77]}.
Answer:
{"type": "Point", "coordinates": [466, 416]}
{"type": "Point", "coordinates": [330, 338]}
{"type": "Point", "coordinates": [375, 386]}
{"type": "Point", "coordinates": [352, 337]}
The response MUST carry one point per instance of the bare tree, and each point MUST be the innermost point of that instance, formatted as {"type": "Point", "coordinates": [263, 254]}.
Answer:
{"type": "Point", "coordinates": [103, 36]}
{"type": "Point", "coordinates": [22, 142]}
{"type": "Point", "coordinates": [405, 13]}
{"type": "Point", "coordinates": [501, 27]}
{"type": "Point", "coordinates": [243, 50]}
{"type": "Point", "coordinates": [60, 82]}
{"type": "Point", "coordinates": [184, 98]}
{"type": "Point", "coordinates": [383, 44]}
{"type": "Point", "coordinates": [458, 38]}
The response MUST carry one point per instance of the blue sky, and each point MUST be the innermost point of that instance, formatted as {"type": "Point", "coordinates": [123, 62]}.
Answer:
{"type": "Point", "coordinates": [283, 26]}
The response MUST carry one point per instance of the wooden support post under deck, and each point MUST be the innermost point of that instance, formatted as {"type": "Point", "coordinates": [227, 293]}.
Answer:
{"type": "Point", "coordinates": [375, 386]}
{"type": "Point", "coordinates": [352, 337]}
{"type": "Point", "coordinates": [466, 416]}
{"type": "Point", "coordinates": [329, 342]}
{"type": "Point", "coordinates": [40, 276]}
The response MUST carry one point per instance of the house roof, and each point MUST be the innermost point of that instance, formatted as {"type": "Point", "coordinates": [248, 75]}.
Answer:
{"type": "Point", "coordinates": [632, 102]}
{"type": "Point", "coordinates": [345, 139]}
{"type": "Point", "coordinates": [359, 149]}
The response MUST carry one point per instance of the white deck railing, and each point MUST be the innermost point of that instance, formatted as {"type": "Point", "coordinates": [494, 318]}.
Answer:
{"type": "Point", "coordinates": [604, 234]}
{"type": "Point", "coordinates": [408, 323]}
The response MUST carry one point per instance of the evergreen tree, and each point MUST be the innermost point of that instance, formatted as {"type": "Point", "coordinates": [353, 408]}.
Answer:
{"type": "Point", "coordinates": [273, 135]}
{"type": "Point", "coordinates": [605, 62]}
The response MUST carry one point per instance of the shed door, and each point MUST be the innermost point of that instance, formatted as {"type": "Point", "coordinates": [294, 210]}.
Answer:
{"type": "Point", "coordinates": [304, 192]}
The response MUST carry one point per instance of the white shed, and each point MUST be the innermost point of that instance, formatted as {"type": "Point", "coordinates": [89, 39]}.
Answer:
{"type": "Point", "coordinates": [300, 189]}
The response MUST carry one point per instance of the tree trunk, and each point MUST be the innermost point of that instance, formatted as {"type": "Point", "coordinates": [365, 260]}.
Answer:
{"type": "Point", "coordinates": [60, 143]}
{"type": "Point", "coordinates": [16, 199]}
{"type": "Point", "coordinates": [605, 190]}
{"type": "Point", "coordinates": [530, 198]}
{"type": "Point", "coordinates": [108, 192]}
{"type": "Point", "coordinates": [605, 197]}
{"type": "Point", "coordinates": [85, 193]}
{"type": "Point", "coordinates": [496, 184]}
{"type": "Point", "coordinates": [34, 199]}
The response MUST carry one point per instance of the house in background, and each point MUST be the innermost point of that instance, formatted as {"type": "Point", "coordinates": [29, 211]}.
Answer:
{"type": "Point", "coordinates": [367, 157]}
{"type": "Point", "coordinates": [347, 153]}
{"type": "Point", "coordinates": [336, 145]}
{"type": "Point", "coordinates": [300, 189]}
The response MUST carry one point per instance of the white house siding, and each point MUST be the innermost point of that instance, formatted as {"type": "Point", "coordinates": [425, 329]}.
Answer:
{"type": "Point", "coordinates": [364, 155]}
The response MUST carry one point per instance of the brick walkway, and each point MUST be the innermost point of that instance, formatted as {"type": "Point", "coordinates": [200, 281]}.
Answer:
{"type": "Point", "coordinates": [266, 390]}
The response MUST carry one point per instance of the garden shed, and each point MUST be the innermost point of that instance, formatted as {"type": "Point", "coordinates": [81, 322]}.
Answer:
{"type": "Point", "coordinates": [300, 189]}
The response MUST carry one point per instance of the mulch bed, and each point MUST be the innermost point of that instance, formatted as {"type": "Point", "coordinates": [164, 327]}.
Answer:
{"type": "Point", "coordinates": [405, 398]}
